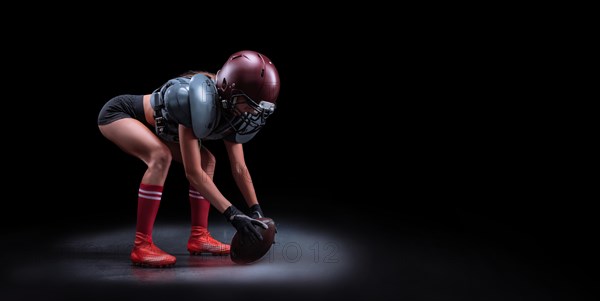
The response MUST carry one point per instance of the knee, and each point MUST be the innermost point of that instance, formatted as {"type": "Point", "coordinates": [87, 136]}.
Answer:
{"type": "Point", "coordinates": [208, 161]}
{"type": "Point", "coordinates": [211, 161]}
{"type": "Point", "coordinates": [160, 160]}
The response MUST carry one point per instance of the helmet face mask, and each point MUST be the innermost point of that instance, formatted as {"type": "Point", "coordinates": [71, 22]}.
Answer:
{"type": "Point", "coordinates": [248, 84]}
{"type": "Point", "coordinates": [246, 116]}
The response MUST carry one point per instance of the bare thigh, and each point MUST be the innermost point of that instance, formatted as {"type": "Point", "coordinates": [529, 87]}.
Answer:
{"type": "Point", "coordinates": [133, 138]}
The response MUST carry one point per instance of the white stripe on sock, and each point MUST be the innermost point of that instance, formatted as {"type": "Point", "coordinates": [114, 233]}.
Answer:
{"type": "Point", "coordinates": [199, 197]}
{"type": "Point", "coordinates": [150, 192]}
{"type": "Point", "coordinates": [150, 197]}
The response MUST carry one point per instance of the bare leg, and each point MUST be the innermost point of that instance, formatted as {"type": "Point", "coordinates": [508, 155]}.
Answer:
{"type": "Point", "coordinates": [200, 240]}
{"type": "Point", "coordinates": [135, 139]}
{"type": "Point", "coordinates": [200, 206]}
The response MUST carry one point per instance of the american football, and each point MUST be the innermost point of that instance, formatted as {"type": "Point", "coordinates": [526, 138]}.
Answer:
{"type": "Point", "coordinates": [249, 253]}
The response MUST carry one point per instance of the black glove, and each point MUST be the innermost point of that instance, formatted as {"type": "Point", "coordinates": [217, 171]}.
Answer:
{"type": "Point", "coordinates": [256, 212]}
{"type": "Point", "coordinates": [244, 224]}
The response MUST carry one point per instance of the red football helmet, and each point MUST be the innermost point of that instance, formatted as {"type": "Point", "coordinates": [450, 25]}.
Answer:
{"type": "Point", "coordinates": [248, 77]}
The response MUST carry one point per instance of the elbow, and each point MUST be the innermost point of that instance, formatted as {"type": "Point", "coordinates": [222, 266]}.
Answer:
{"type": "Point", "coordinates": [238, 169]}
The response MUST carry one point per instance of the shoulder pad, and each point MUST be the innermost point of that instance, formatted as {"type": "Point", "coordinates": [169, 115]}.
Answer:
{"type": "Point", "coordinates": [176, 101]}
{"type": "Point", "coordinates": [203, 98]}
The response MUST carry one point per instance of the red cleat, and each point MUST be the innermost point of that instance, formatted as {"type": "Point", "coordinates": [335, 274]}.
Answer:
{"type": "Point", "coordinates": [201, 242]}
{"type": "Point", "coordinates": [146, 254]}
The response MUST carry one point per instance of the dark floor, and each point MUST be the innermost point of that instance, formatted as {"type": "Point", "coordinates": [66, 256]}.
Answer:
{"type": "Point", "coordinates": [104, 257]}
{"type": "Point", "coordinates": [307, 262]}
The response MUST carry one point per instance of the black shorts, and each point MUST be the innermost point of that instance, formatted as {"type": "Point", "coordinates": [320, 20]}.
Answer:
{"type": "Point", "coordinates": [123, 106]}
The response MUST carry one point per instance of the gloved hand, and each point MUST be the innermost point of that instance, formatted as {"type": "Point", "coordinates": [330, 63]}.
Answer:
{"type": "Point", "coordinates": [256, 211]}
{"type": "Point", "coordinates": [244, 224]}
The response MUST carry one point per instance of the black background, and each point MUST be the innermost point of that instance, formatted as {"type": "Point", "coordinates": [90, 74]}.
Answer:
{"type": "Point", "coordinates": [371, 138]}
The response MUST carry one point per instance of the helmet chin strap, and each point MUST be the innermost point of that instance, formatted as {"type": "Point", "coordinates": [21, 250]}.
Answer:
{"type": "Point", "coordinates": [225, 103]}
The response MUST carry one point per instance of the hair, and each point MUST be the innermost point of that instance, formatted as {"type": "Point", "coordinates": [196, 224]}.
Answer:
{"type": "Point", "coordinates": [191, 73]}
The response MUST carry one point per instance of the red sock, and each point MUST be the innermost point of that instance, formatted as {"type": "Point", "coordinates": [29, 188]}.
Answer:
{"type": "Point", "coordinates": [148, 202]}
{"type": "Point", "coordinates": [199, 207]}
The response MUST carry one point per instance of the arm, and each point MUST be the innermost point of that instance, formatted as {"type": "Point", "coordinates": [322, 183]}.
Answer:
{"type": "Point", "coordinates": [240, 172]}
{"type": "Point", "coordinates": [190, 155]}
